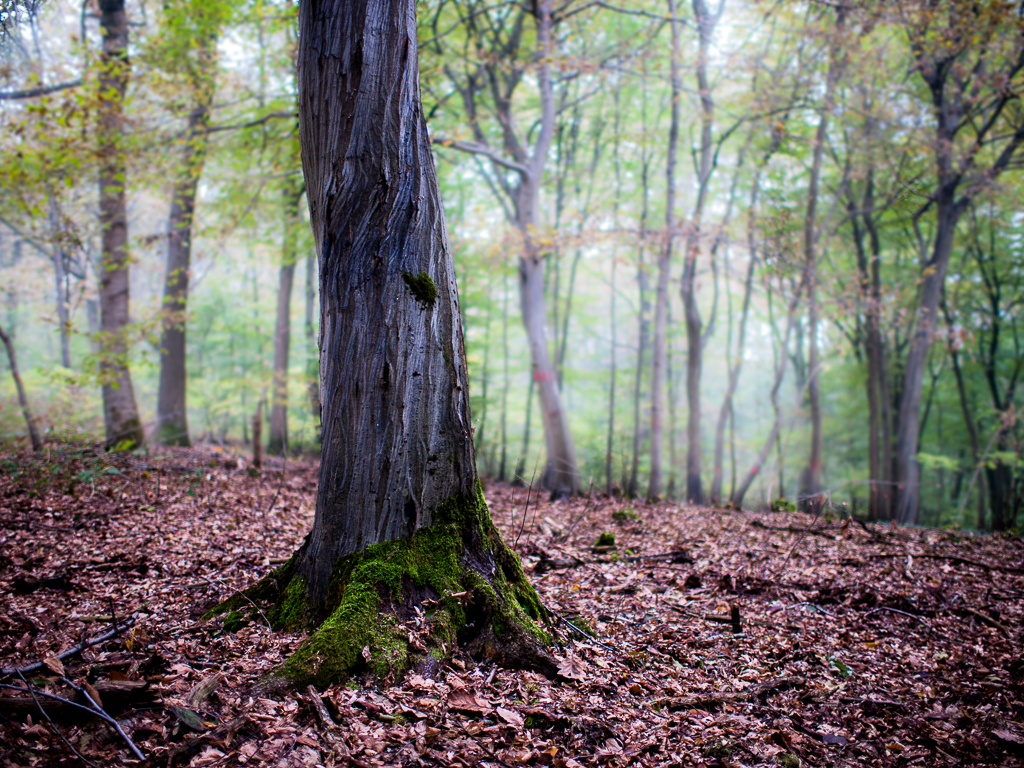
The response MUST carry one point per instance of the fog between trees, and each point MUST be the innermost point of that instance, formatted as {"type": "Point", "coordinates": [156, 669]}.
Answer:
{"type": "Point", "coordinates": [807, 264]}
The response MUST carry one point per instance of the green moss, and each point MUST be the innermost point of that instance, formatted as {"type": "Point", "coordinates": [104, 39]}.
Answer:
{"type": "Point", "coordinates": [422, 287]}
{"type": "Point", "coordinates": [622, 516]}
{"type": "Point", "coordinates": [789, 760]}
{"type": "Point", "coordinates": [606, 539]}
{"type": "Point", "coordinates": [234, 621]}
{"type": "Point", "coordinates": [361, 629]}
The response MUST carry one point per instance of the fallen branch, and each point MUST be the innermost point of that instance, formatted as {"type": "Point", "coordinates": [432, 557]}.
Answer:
{"type": "Point", "coordinates": [717, 698]}
{"type": "Point", "coordinates": [95, 706]}
{"type": "Point", "coordinates": [77, 649]}
{"type": "Point", "coordinates": [57, 730]}
{"type": "Point", "coordinates": [986, 619]}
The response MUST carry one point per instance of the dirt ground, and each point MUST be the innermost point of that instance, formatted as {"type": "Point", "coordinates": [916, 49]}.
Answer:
{"type": "Point", "coordinates": [857, 644]}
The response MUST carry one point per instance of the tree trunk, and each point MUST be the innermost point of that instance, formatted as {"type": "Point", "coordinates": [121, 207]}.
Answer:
{"type": "Point", "coordinates": [312, 353]}
{"type": "Point", "coordinates": [278, 438]}
{"type": "Point", "coordinates": [120, 415]}
{"type": "Point", "coordinates": [660, 351]}
{"type": "Point", "coordinates": [172, 409]}
{"type": "Point", "coordinates": [780, 372]}
{"type": "Point", "coordinates": [60, 278]}
{"type": "Point", "coordinates": [907, 469]}
{"type": "Point", "coordinates": [506, 380]}
{"type": "Point", "coordinates": [965, 410]}
{"type": "Point", "coordinates": [694, 337]}
{"type": "Point", "coordinates": [33, 433]}
{"type": "Point", "coordinates": [400, 518]}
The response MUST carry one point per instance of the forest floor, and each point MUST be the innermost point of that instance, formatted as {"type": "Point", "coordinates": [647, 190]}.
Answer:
{"type": "Point", "coordinates": [859, 645]}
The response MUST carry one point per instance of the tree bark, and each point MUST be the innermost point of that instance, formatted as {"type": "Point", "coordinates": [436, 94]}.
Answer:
{"type": "Point", "coordinates": [278, 437]}
{"type": "Point", "coordinates": [312, 352]}
{"type": "Point", "coordinates": [400, 519]}
{"type": "Point", "coordinates": [965, 410]}
{"type": "Point", "coordinates": [660, 350]}
{"type": "Point", "coordinates": [120, 414]}
{"type": "Point", "coordinates": [172, 407]}
{"type": "Point", "coordinates": [706, 23]}
{"type": "Point", "coordinates": [33, 433]}
{"type": "Point", "coordinates": [780, 373]}
{"type": "Point", "coordinates": [60, 278]}
{"type": "Point", "coordinates": [810, 498]}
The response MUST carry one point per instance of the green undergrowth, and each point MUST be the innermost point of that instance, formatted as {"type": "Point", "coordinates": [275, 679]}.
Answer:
{"type": "Point", "coordinates": [454, 583]}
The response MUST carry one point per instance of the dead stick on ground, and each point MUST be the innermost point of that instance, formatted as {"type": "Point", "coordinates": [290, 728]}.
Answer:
{"type": "Point", "coordinates": [57, 730]}
{"type": "Point", "coordinates": [986, 619]}
{"type": "Point", "coordinates": [77, 649]}
{"type": "Point", "coordinates": [94, 705]}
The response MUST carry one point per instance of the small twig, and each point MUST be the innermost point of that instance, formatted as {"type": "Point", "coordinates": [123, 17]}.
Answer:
{"type": "Point", "coordinates": [77, 649]}
{"type": "Point", "coordinates": [579, 631]}
{"type": "Point", "coordinates": [896, 610]}
{"type": "Point", "coordinates": [57, 730]}
{"type": "Point", "coordinates": [526, 509]}
{"type": "Point", "coordinates": [250, 602]}
{"type": "Point", "coordinates": [986, 619]}
{"type": "Point", "coordinates": [95, 706]}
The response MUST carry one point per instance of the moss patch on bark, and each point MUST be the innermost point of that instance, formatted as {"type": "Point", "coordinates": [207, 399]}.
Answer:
{"type": "Point", "coordinates": [397, 604]}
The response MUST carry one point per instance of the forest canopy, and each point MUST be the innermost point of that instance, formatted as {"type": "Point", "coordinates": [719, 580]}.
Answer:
{"type": "Point", "coordinates": [750, 253]}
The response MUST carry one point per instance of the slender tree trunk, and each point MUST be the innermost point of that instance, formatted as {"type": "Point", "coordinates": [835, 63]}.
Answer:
{"type": "Point", "coordinates": [278, 438]}
{"type": "Point", "coordinates": [907, 469]}
{"type": "Point", "coordinates": [734, 376]}
{"type": "Point", "coordinates": [561, 475]}
{"type": "Point", "coordinates": [120, 414]}
{"type": "Point", "coordinates": [609, 443]}
{"type": "Point", "coordinates": [481, 433]}
{"type": "Point", "coordinates": [632, 488]}
{"type": "Point", "coordinates": [172, 408]}
{"type": "Point", "coordinates": [660, 350]}
{"type": "Point", "coordinates": [312, 352]}
{"type": "Point", "coordinates": [33, 433]}
{"type": "Point", "coordinates": [811, 481]}
{"type": "Point", "coordinates": [520, 475]}
{"type": "Point", "coordinates": [60, 277]}
{"type": "Point", "coordinates": [506, 380]}
{"type": "Point", "coordinates": [966, 412]}
{"type": "Point", "coordinates": [706, 23]}
{"type": "Point", "coordinates": [773, 435]}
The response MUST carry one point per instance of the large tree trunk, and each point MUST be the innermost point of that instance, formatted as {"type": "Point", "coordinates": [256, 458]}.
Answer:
{"type": "Point", "coordinates": [120, 415]}
{"type": "Point", "coordinates": [278, 442]}
{"type": "Point", "coordinates": [30, 423]}
{"type": "Point", "coordinates": [171, 409]}
{"type": "Point", "coordinates": [400, 519]}
{"type": "Point", "coordinates": [659, 358]}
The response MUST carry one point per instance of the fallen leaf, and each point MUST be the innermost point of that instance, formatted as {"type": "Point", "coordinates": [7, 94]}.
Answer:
{"type": "Point", "coordinates": [511, 717]}
{"type": "Point", "coordinates": [465, 701]}
{"type": "Point", "coordinates": [573, 668]}
{"type": "Point", "coordinates": [54, 664]}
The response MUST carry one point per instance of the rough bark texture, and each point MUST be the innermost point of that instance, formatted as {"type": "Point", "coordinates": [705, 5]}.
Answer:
{"type": "Point", "coordinates": [400, 521]}
{"type": "Point", "coordinates": [172, 411]}
{"type": "Point", "coordinates": [120, 415]}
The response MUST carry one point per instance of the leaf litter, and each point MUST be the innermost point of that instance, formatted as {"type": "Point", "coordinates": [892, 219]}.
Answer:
{"type": "Point", "coordinates": [857, 644]}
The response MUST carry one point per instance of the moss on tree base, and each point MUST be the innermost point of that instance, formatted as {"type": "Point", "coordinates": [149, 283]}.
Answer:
{"type": "Point", "coordinates": [399, 604]}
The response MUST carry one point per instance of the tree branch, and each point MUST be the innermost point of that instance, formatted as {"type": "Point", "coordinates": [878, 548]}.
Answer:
{"type": "Point", "coordinates": [31, 93]}
{"type": "Point", "coordinates": [477, 149]}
